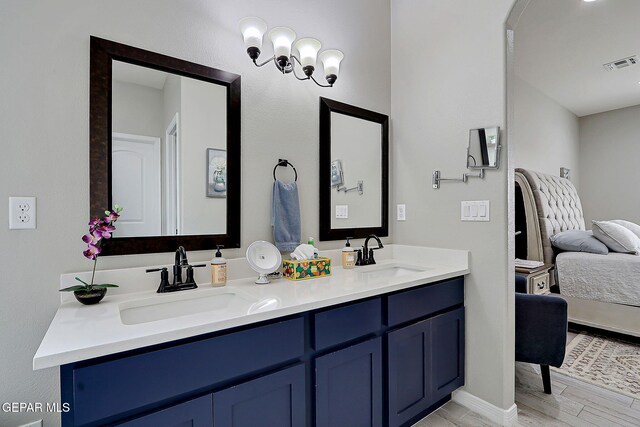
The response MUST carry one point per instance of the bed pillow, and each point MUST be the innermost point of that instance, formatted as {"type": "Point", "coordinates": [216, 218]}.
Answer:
{"type": "Point", "coordinates": [579, 241]}
{"type": "Point", "coordinates": [616, 237]}
{"type": "Point", "coordinates": [635, 228]}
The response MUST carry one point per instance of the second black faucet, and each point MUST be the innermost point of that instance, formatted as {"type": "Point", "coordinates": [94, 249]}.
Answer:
{"type": "Point", "coordinates": [366, 256]}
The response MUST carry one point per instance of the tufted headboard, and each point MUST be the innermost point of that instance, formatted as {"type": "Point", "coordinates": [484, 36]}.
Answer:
{"type": "Point", "coordinates": [552, 205]}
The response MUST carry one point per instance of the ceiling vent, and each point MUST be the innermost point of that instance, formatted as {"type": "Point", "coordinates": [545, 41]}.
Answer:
{"type": "Point", "coordinates": [622, 63]}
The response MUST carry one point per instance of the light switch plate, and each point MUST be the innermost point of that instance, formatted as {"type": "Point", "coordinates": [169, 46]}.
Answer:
{"type": "Point", "coordinates": [401, 213]}
{"type": "Point", "coordinates": [22, 213]}
{"type": "Point", "coordinates": [477, 211]}
{"type": "Point", "coordinates": [342, 211]}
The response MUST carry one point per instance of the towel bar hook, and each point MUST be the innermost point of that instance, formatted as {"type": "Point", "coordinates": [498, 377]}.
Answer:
{"type": "Point", "coordinates": [285, 163]}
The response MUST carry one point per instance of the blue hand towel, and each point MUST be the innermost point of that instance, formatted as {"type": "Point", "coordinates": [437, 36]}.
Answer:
{"type": "Point", "coordinates": [285, 216]}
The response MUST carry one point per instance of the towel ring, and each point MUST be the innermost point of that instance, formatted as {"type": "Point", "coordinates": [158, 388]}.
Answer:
{"type": "Point", "coordinates": [285, 163]}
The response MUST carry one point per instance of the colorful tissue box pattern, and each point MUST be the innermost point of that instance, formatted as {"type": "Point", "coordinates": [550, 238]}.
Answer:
{"type": "Point", "coordinates": [308, 269]}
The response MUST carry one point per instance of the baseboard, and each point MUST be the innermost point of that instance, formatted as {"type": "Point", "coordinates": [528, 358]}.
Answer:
{"type": "Point", "coordinates": [503, 417]}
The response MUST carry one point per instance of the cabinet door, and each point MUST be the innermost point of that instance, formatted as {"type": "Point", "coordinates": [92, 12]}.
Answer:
{"type": "Point", "coordinates": [276, 399]}
{"type": "Point", "coordinates": [349, 386]}
{"type": "Point", "coordinates": [194, 413]}
{"type": "Point", "coordinates": [447, 353]}
{"type": "Point", "coordinates": [409, 368]}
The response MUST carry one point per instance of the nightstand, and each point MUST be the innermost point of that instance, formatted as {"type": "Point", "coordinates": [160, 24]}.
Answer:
{"type": "Point", "coordinates": [538, 279]}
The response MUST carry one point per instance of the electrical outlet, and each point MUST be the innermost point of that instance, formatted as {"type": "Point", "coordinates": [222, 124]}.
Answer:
{"type": "Point", "coordinates": [22, 213]}
{"type": "Point", "coordinates": [401, 214]}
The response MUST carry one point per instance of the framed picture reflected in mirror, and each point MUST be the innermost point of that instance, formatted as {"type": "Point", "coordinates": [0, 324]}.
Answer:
{"type": "Point", "coordinates": [216, 173]}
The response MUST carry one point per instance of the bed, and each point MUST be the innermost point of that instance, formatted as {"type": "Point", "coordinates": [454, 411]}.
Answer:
{"type": "Point", "coordinates": [602, 291]}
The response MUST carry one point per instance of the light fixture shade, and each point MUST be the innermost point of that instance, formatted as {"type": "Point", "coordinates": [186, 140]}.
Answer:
{"type": "Point", "coordinates": [331, 62]}
{"type": "Point", "coordinates": [308, 49]}
{"type": "Point", "coordinates": [252, 29]}
{"type": "Point", "coordinates": [282, 38]}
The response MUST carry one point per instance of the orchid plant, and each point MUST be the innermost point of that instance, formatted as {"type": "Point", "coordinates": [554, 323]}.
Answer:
{"type": "Point", "coordinates": [100, 229]}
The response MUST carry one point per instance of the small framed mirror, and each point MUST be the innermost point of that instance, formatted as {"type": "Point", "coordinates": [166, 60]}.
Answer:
{"type": "Point", "coordinates": [164, 145]}
{"type": "Point", "coordinates": [354, 171]}
{"type": "Point", "coordinates": [484, 147]}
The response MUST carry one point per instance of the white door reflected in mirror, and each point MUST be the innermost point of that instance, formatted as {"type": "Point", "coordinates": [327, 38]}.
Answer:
{"type": "Point", "coordinates": [136, 183]}
{"type": "Point", "coordinates": [165, 129]}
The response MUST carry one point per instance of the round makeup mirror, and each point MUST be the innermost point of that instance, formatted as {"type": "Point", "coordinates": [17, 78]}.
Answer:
{"type": "Point", "coordinates": [264, 258]}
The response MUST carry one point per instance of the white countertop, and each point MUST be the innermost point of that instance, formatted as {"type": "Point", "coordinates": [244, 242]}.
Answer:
{"type": "Point", "coordinates": [80, 332]}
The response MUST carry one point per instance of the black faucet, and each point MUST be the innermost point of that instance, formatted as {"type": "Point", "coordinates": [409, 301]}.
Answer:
{"type": "Point", "coordinates": [177, 285]}
{"type": "Point", "coordinates": [181, 261]}
{"type": "Point", "coordinates": [367, 253]}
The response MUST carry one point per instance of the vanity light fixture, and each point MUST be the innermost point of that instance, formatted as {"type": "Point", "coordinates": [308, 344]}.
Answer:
{"type": "Point", "coordinates": [282, 38]}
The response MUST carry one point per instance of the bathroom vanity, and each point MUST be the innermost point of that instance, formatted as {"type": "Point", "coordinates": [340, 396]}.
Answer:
{"type": "Point", "coordinates": [379, 345]}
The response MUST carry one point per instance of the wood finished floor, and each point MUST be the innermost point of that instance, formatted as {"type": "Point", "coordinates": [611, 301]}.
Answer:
{"type": "Point", "coordinates": [573, 403]}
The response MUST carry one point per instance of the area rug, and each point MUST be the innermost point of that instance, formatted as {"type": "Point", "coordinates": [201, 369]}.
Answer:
{"type": "Point", "coordinates": [603, 361]}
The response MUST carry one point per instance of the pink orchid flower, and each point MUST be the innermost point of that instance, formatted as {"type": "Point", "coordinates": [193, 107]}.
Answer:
{"type": "Point", "coordinates": [105, 231]}
{"type": "Point", "coordinates": [92, 238]}
{"type": "Point", "coordinates": [112, 216]}
{"type": "Point", "coordinates": [92, 252]}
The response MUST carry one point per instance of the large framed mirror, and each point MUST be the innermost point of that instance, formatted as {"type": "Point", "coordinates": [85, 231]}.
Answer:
{"type": "Point", "coordinates": [164, 145]}
{"type": "Point", "coordinates": [354, 171]}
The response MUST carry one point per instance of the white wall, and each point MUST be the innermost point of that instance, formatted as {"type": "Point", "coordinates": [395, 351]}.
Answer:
{"type": "Point", "coordinates": [609, 153]}
{"type": "Point", "coordinates": [448, 76]}
{"type": "Point", "coordinates": [137, 110]}
{"type": "Point", "coordinates": [546, 134]}
{"type": "Point", "coordinates": [44, 117]}
{"type": "Point", "coordinates": [172, 94]}
{"type": "Point", "coordinates": [203, 124]}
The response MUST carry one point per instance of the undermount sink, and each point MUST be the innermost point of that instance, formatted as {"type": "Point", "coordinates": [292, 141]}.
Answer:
{"type": "Point", "coordinates": [172, 306]}
{"type": "Point", "coordinates": [389, 272]}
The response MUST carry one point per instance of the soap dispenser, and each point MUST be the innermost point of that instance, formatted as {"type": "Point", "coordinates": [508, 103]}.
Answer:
{"type": "Point", "coordinates": [218, 269]}
{"type": "Point", "coordinates": [311, 241]}
{"type": "Point", "coordinates": [348, 255]}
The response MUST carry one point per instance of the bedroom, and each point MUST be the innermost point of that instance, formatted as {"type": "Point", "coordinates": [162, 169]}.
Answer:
{"type": "Point", "coordinates": [576, 111]}
{"type": "Point", "coordinates": [566, 105]}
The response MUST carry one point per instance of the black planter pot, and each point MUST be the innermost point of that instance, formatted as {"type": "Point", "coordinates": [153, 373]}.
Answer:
{"type": "Point", "coordinates": [90, 297]}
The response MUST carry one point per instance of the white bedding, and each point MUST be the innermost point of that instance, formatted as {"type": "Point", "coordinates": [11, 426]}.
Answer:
{"type": "Point", "coordinates": [607, 278]}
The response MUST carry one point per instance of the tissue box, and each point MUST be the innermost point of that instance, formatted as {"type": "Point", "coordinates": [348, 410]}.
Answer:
{"type": "Point", "coordinates": [307, 269]}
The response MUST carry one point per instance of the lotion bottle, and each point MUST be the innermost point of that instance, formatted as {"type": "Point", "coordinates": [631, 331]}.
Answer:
{"type": "Point", "coordinates": [218, 269]}
{"type": "Point", "coordinates": [348, 256]}
{"type": "Point", "coordinates": [312, 242]}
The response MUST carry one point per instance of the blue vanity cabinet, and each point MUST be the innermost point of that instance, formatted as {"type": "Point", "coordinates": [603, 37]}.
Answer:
{"type": "Point", "coordinates": [153, 379]}
{"type": "Point", "coordinates": [348, 380]}
{"type": "Point", "coordinates": [348, 386]}
{"type": "Point", "coordinates": [447, 353]}
{"type": "Point", "coordinates": [426, 364]}
{"type": "Point", "coordinates": [409, 359]}
{"type": "Point", "coordinates": [194, 413]}
{"type": "Point", "coordinates": [276, 399]}
{"type": "Point", "coordinates": [384, 360]}
{"type": "Point", "coordinates": [425, 349]}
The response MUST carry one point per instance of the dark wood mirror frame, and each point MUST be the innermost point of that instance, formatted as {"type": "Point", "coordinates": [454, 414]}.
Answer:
{"type": "Point", "coordinates": [103, 52]}
{"type": "Point", "coordinates": [327, 106]}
